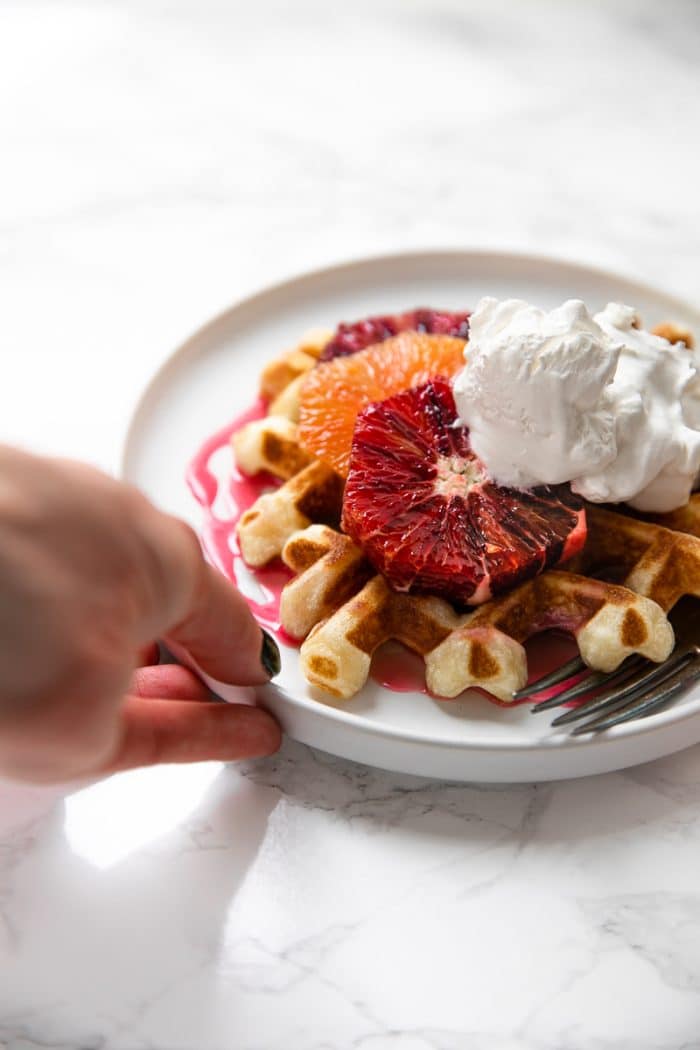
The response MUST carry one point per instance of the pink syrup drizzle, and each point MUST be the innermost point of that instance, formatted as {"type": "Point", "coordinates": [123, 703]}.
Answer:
{"type": "Point", "coordinates": [397, 668]}
{"type": "Point", "coordinates": [218, 531]}
{"type": "Point", "coordinates": [394, 666]}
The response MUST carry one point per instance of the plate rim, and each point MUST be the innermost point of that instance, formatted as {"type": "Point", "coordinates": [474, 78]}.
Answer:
{"type": "Point", "coordinates": [564, 742]}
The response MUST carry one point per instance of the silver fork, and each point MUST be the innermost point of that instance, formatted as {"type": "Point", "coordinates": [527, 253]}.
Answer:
{"type": "Point", "coordinates": [636, 689]}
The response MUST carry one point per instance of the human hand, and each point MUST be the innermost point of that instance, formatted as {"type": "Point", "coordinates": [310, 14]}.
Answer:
{"type": "Point", "coordinates": [90, 574]}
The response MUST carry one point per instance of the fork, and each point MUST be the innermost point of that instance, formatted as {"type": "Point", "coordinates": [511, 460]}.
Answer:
{"type": "Point", "coordinates": [636, 689]}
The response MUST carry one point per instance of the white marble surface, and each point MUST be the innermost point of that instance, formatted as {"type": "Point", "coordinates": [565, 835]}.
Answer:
{"type": "Point", "coordinates": [159, 160]}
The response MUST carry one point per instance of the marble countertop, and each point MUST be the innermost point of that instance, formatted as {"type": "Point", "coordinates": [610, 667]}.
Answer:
{"type": "Point", "coordinates": [160, 160]}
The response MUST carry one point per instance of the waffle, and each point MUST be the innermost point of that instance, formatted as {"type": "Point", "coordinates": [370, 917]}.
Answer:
{"type": "Point", "coordinates": [343, 610]}
{"type": "Point", "coordinates": [282, 377]}
{"type": "Point", "coordinates": [653, 559]}
{"type": "Point", "coordinates": [315, 494]}
{"type": "Point", "coordinates": [344, 620]}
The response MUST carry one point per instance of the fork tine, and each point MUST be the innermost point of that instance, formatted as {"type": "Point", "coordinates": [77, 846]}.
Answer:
{"type": "Point", "coordinates": [644, 705]}
{"type": "Point", "coordinates": [567, 670]}
{"type": "Point", "coordinates": [591, 681]}
{"type": "Point", "coordinates": [640, 679]}
{"type": "Point", "coordinates": [584, 686]}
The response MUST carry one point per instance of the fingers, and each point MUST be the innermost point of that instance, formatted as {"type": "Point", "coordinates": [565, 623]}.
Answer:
{"type": "Point", "coordinates": [148, 655]}
{"type": "Point", "coordinates": [196, 607]}
{"type": "Point", "coordinates": [158, 730]}
{"type": "Point", "coordinates": [168, 682]}
{"type": "Point", "coordinates": [222, 635]}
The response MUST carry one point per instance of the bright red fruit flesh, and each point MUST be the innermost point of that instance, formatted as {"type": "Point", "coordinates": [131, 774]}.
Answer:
{"type": "Point", "coordinates": [419, 503]}
{"type": "Point", "coordinates": [349, 338]}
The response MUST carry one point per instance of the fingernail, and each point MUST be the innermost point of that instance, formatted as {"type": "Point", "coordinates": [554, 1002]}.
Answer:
{"type": "Point", "coordinates": [270, 655]}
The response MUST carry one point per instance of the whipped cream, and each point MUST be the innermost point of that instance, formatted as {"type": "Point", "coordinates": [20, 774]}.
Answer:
{"type": "Point", "coordinates": [562, 396]}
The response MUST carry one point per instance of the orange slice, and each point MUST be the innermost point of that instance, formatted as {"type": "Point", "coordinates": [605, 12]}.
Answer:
{"type": "Point", "coordinates": [334, 392]}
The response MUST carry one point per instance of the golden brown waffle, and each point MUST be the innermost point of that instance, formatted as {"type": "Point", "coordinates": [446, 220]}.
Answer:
{"type": "Point", "coordinates": [658, 562]}
{"type": "Point", "coordinates": [270, 444]}
{"type": "Point", "coordinates": [344, 620]}
{"type": "Point", "coordinates": [345, 611]}
{"type": "Point", "coordinates": [315, 494]}
{"type": "Point", "coordinates": [281, 378]}
{"type": "Point", "coordinates": [685, 519]}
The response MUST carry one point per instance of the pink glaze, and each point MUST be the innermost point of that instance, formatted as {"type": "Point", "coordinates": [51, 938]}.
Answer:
{"type": "Point", "coordinates": [393, 666]}
{"type": "Point", "coordinates": [396, 667]}
{"type": "Point", "coordinates": [218, 531]}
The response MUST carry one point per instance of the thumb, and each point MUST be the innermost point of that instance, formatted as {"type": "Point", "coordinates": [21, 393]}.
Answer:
{"type": "Point", "coordinates": [196, 608]}
{"type": "Point", "coordinates": [221, 634]}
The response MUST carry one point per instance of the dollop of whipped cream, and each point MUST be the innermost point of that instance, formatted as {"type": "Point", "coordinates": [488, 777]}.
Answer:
{"type": "Point", "coordinates": [560, 396]}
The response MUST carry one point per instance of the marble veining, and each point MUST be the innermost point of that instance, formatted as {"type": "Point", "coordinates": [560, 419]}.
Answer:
{"type": "Point", "coordinates": [307, 901]}
{"type": "Point", "coordinates": [160, 160]}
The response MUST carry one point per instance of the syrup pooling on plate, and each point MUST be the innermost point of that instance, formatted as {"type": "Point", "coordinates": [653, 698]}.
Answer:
{"type": "Point", "coordinates": [397, 668]}
{"type": "Point", "coordinates": [224, 494]}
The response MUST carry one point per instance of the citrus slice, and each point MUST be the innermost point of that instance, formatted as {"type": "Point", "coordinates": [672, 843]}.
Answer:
{"type": "Point", "coordinates": [349, 338]}
{"type": "Point", "coordinates": [420, 504]}
{"type": "Point", "coordinates": [335, 391]}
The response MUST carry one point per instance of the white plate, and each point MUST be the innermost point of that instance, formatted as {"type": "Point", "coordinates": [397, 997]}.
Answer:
{"type": "Point", "coordinates": [213, 376]}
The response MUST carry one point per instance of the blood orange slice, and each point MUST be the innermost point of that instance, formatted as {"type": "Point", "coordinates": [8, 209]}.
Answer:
{"type": "Point", "coordinates": [334, 392]}
{"type": "Point", "coordinates": [420, 504]}
{"type": "Point", "coordinates": [349, 338]}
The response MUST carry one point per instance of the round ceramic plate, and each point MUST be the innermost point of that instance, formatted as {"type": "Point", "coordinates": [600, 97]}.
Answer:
{"type": "Point", "coordinates": [212, 377]}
